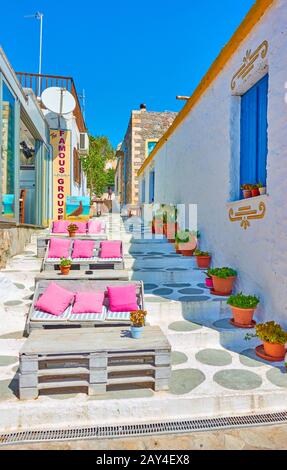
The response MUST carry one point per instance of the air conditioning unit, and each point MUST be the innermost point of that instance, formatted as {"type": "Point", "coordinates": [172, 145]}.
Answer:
{"type": "Point", "coordinates": [84, 143]}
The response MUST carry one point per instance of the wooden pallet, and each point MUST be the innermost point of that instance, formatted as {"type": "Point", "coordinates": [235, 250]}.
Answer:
{"type": "Point", "coordinates": [84, 265]}
{"type": "Point", "coordinates": [43, 241]}
{"type": "Point", "coordinates": [79, 285]}
{"type": "Point", "coordinates": [99, 274]}
{"type": "Point", "coordinates": [94, 361]}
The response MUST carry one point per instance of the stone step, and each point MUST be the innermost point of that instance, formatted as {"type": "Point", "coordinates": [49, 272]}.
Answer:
{"type": "Point", "coordinates": [152, 262]}
{"type": "Point", "coordinates": [170, 275]}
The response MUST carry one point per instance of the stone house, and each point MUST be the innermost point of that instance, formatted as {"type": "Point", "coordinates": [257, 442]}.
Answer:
{"type": "Point", "coordinates": [144, 130]}
{"type": "Point", "coordinates": [231, 132]}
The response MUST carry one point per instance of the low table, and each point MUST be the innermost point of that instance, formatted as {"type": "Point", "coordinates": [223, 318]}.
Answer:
{"type": "Point", "coordinates": [94, 360]}
{"type": "Point", "coordinates": [98, 274]}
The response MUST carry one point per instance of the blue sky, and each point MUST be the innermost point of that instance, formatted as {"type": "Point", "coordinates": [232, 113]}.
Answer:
{"type": "Point", "coordinates": [122, 53]}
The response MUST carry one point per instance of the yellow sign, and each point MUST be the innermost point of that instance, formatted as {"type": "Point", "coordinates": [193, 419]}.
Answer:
{"type": "Point", "coordinates": [61, 143]}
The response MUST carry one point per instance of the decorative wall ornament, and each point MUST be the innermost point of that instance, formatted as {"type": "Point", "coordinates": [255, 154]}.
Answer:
{"type": "Point", "coordinates": [246, 213]}
{"type": "Point", "coordinates": [249, 62]}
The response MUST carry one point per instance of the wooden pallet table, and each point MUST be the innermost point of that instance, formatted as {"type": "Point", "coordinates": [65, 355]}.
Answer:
{"type": "Point", "coordinates": [43, 241]}
{"type": "Point", "coordinates": [82, 321]}
{"type": "Point", "coordinates": [93, 361]}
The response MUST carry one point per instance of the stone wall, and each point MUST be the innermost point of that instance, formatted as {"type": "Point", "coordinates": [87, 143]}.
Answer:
{"type": "Point", "coordinates": [200, 164]}
{"type": "Point", "coordinates": [13, 241]}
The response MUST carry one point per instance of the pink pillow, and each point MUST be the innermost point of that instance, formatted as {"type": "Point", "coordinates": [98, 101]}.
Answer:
{"type": "Point", "coordinates": [54, 300]}
{"type": "Point", "coordinates": [111, 249]}
{"type": "Point", "coordinates": [60, 226]}
{"type": "Point", "coordinates": [95, 226]}
{"type": "Point", "coordinates": [59, 248]}
{"type": "Point", "coordinates": [88, 302]}
{"type": "Point", "coordinates": [122, 298]}
{"type": "Point", "coordinates": [83, 249]}
{"type": "Point", "coordinates": [82, 226]}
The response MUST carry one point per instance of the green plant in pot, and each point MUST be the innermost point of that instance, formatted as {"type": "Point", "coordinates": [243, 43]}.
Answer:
{"type": "Point", "coordinates": [157, 222]}
{"type": "Point", "coordinates": [185, 243]}
{"type": "Point", "coordinates": [203, 259]}
{"type": "Point", "coordinates": [137, 323]}
{"type": "Point", "coordinates": [65, 265]}
{"type": "Point", "coordinates": [274, 339]}
{"type": "Point", "coordinates": [261, 188]}
{"type": "Point", "coordinates": [223, 279]}
{"type": "Point", "coordinates": [170, 225]}
{"type": "Point", "coordinates": [243, 308]}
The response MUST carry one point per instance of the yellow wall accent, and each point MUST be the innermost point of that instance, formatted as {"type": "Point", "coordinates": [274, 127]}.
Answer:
{"type": "Point", "coordinates": [244, 214]}
{"type": "Point", "coordinates": [249, 62]}
{"type": "Point", "coordinates": [251, 19]}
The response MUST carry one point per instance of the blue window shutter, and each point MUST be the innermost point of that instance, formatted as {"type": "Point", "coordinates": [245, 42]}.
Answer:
{"type": "Point", "coordinates": [151, 187]}
{"type": "Point", "coordinates": [262, 97]}
{"type": "Point", "coordinates": [248, 144]}
{"type": "Point", "coordinates": [143, 190]}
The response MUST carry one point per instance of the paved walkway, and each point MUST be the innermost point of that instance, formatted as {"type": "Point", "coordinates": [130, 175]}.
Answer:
{"type": "Point", "coordinates": [214, 371]}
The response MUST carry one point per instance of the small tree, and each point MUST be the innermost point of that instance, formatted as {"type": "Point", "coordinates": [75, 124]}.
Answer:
{"type": "Point", "coordinates": [100, 152]}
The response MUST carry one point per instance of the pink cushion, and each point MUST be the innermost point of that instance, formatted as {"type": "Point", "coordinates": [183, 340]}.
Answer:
{"type": "Point", "coordinates": [88, 302]}
{"type": "Point", "coordinates": [59, 248]}
{"type": "Point", "coordinates": [83, 249]}
{"type": "Point", "coordinates": [55, 299]}
{"type": "Point", "coordinates": [60, 226]}
{"type": "Point", "coordinates": [111, 249]}
{"type": "Point", "coordinates": [122, 298]}
{"type": "Point", "coordinates": [82, 226]}
{"type": "Point", "coordinates": [95, 226]}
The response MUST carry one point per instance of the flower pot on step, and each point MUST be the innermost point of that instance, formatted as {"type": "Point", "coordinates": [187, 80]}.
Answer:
{"type": "Point", "coordinates": [242, 316]}
{"type": "Point", "coordinates": [203, 262]}
{"type": "Point", "coordinates": [208, 282]}
{"type": "Point", "coordinates": [224, 286]}
{"type": "Point", "coordinates": [157, 227]}
{"type": "Point", "coordinates": [274, 350]}
{"type": "Point", "coordinates": [170, 230]}
{"type": "Point", "coordinates": [65, 270]}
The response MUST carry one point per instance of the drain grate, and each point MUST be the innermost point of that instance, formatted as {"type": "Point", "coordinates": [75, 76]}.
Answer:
{"type": "Point", "coordinates": [133, 430]}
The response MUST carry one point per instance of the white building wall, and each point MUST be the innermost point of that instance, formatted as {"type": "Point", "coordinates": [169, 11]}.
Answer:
{"type": "Point", "coordinates": [200, 164]}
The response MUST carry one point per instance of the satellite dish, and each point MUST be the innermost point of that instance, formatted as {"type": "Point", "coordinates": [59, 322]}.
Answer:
{"type": "Point", "coordinates": [58, 100]}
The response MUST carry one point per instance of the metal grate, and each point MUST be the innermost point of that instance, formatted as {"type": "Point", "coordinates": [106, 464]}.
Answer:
{"type": "Point", "coordinates": [133, 430]}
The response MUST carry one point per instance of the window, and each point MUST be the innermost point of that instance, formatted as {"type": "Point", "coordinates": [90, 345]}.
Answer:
{"type": "Point", "coordinates": [150, 145]}
{"type": "Point", "coordinates": [253, 145]}
{"type": "Point", "coordinates": [143, 191]}
{"type": "Point", "coordinates": [7, 170]}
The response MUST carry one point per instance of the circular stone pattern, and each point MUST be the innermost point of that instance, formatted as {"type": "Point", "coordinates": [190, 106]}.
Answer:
{"type": "Point", "coordinates": [191, 291]}
{"type": "Point", "coordinates": [184, 326]}
{"type": "Point", "coordinates": [182, 381]}
{"type": "Point", "coordinates": [214, 357]}
{"type": "Point", "coordinates": [8, 360]}
{"type": "Point", "coordinates": [150, 286]}
{"type": "Point", "coordinates": [18, 285]}
{"type": "Point", "coordinates": [237, 379]}
{"type": "Point", "coordinates": [162, 292]}
{"type": "Point", "coordinates": [12, 303]}
{"type": "Point", "coordinates": [13, 335]}
{"type": "Point", "coordinates": [223, 324]}
{"type": "Point", "coordinates": [193, 298]}
{"type": "Point", "coordinates": [248, 358]}
{"type": "Point", "coordinates": [177, 286]}
{"type": "Point", "coordinates": [277, 377]}
{"type": "Point", "coordinates": [178, 357]}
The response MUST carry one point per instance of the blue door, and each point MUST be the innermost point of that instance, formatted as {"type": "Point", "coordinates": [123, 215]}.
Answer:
{"type": "Point", "coordinates": [151, 186]}
{"type": "Point", "coordinates": [253, 143]}
{"type": "Point", "coordinates": [143, 191]}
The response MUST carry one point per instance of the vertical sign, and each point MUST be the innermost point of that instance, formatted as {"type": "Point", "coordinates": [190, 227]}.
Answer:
{"type": "Point", "coordinates": [61, 143]}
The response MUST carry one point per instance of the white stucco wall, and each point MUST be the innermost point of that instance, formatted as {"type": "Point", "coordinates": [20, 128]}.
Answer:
{"type": "Point", "coordinates": [200, 164]}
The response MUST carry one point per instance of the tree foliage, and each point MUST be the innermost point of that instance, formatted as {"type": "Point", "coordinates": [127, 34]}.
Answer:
{"type": "Point", "coordinates": [100, 152]}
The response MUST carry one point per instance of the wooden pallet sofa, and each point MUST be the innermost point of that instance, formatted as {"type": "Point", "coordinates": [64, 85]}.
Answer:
{"type": "Point", "coordinates": [93, 361]}
{"type": "Point", "coordinates": [62, 232]}
{"type": "Point", "coordinates": [39, 319]}
{"type": "Point", "coordinates": [84, 264]}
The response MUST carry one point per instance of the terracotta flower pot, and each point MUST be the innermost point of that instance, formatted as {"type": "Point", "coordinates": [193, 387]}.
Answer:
{"type": "Point", "coordinates": [203, 262]}
{"type": "Point", "coordinates": [170, 230]}
{"type": "Point", "coordinates": [255, 192]}
{"type": "Point", "coordinates": [274, 350]}
{"type": "Point", "coordinates": [187, 249]}
{"type": "Point", "coordinates": [224, 286]}
{"type": "Point", "coordinates": [262, 191]}
{"type": "Point", "coordinates": [65, 270]}
{"type": "Point", "coordinates": [157, 227]}
{"type": "Point", "coordinates": [246, 193]}
{"type": "Point", "coordinates": [208, 282]}
{"type": "Point", "coordinates": [72, 233]}
{"type": "Point", "coordinates": [242, 316]}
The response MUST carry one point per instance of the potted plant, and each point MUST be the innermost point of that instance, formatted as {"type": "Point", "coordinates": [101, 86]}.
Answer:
{"type": "Point", "coordinates": [243, 308]}
{"type": "Point", "coordinates": [137, 323]}
{"type": "Point", "coordinates": [254, 190]}
{"type": "Point", "coordinates": [65, 265]}
{"type": "Point", "coordinates": [208, 280]}
{"type": "Point", "coordinates": [72, 229]}
{"type": "Point", "coordinates": [203, 259]}
{"type": "Point", "coordinates": [274, 339]}
{"type": "Point", "coordinates": [223, 279]}
{"type": "Point", "coordinates": [185, 243]}
{"type": "Point", "coordinates": [261, 188]}
{"type": "Point", "coordinates": [246, 190]}
{"type": "Point", "coordinates": [170, 225]}
{"type": "Point", "coordinates": [157, 223]}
